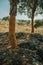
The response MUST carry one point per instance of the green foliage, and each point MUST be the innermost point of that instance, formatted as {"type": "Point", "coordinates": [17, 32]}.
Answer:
{"type": "Point", "coordinates": [5, 18]}
{"type": "Point", "coordinates": [27, 21]}
{"type": "Point", "coordinates": [38, 23]}
{"type": "Point", "coordinates": [22, 22]}
{"type": "Point", "coordinates": [26, 7]}
{"type": "Point", "coordinates": [31, 6]}
{"type": "Point", "coordinates": [41, 3]}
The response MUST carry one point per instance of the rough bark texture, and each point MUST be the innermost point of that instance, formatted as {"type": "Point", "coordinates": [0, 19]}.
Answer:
{"type": "Point", "coordinates": [12, 31]}
{"type": "Point", "coordinates": [32, 21]}
{"type": "Point", "coordinates": [33, 11]}
{"type": "Point", "coordinates": [13, 11]}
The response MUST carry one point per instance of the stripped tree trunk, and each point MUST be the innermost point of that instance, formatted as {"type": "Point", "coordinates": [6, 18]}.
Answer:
{"type": "Point", "coordinates": [12, 31]}
{"type": "Point", "coordinates": [33, 11]}
{"type": "Point", "coordinates": [32, 22]}
{"type": "Point", "coordinates": [13, 11]}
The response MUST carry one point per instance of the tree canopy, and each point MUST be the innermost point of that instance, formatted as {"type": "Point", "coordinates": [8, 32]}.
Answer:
{"type": "Point", "coordinates": [29, 6]}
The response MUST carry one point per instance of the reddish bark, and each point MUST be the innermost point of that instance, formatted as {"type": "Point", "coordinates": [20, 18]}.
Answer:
{"type": "Point", "coordinates": [12, 31]}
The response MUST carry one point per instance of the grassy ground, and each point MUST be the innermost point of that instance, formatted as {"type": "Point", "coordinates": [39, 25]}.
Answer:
{"type": "Point", "coordinates": [21, 27]}
{"type": "Point", "coordinates": [30, 50]}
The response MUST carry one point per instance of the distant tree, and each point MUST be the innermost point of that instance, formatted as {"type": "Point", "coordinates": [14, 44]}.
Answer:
{"type": "Point", "coordinates": [31, 8]}
{"type": "Point", "coordinates": [38, 23]}
{"type": "Point", "coordinates": [5, 18]}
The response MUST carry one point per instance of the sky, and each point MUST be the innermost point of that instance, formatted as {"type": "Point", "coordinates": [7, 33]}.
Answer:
{"type": "Point", "coordinates": [4, 11]}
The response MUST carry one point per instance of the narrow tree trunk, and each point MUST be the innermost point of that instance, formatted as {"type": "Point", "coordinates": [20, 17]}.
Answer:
{"type": "Point", "coordinates": [32, 22]}
{"type": "Point", "coordinates": [12, 31]}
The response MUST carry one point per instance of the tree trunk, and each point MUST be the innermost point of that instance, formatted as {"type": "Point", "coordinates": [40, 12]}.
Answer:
{"type": "Point", "coordinates": [32, 22]}
{"type": "Point", "coordinates": [12, 31]}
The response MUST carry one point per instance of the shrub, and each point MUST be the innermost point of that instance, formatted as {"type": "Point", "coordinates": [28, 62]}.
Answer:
{"type": "Point", "coordinates": [22, 22]}
{"type": "Point", "coordinates": [38, 23]}
{"type": "Point", "coordinates": [28, 22]}
{"type": "Point", "coordinates": [5, 18]}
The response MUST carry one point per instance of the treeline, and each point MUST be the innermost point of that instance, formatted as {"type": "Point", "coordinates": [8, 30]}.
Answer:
{"type": "Point", "coordinates": [25, 21]}
{"type": "Point", "coordinates": [5, 18]}
{"type": "Point", "coordinates": [38, 23]}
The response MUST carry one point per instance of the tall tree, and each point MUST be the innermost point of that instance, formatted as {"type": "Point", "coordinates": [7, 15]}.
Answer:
{"type": "Point", "coordinates": [13, 12]}
{"type": "Point", "coordinates": [33, 6]}
{"type": "Point", "coordinates": [30, 7]}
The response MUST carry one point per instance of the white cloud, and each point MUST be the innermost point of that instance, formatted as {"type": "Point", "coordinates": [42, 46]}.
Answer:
{"type": "Point", "coordinates": [38, 17]}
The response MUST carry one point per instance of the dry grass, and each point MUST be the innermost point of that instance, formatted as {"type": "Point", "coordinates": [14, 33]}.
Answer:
{"type": "Point", "coordinates": [4, 27]}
